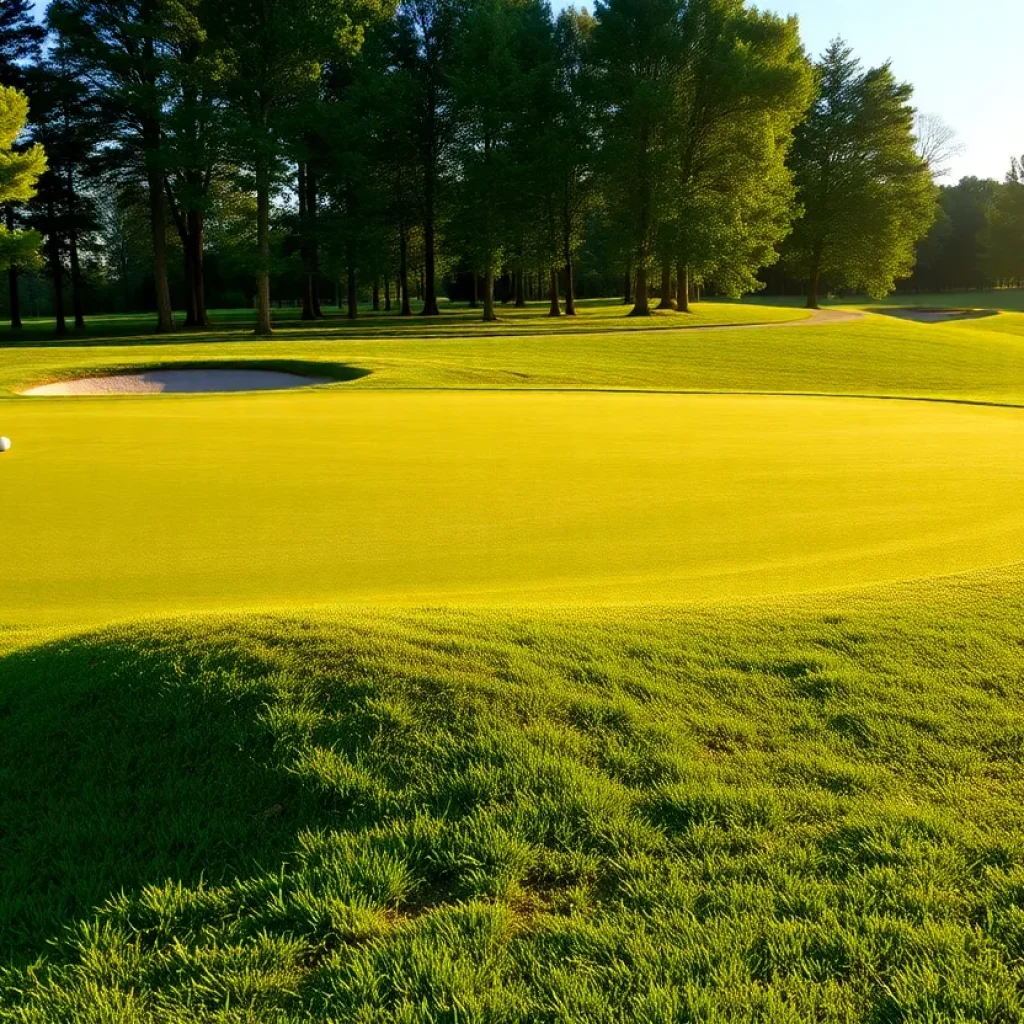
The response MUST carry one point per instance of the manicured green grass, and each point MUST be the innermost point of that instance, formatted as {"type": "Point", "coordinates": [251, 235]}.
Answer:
{"type": "Point", "coordinates": [139, 506]}
{"type": "Point", "coordinates": [977, 360]}
{"type": "Point", "coordinates": [801, 810]}
{"type": "Point", "coordinates": [533, 319]}
{"type": "Point", "coordinates": [511, 701]}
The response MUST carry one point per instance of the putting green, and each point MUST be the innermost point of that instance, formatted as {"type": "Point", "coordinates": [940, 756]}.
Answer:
{"type": "Point", "coordinates": [123, 507]}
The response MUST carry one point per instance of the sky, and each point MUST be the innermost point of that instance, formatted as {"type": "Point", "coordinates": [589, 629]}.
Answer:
{"type": "Point", "coordinates": [962, 59]}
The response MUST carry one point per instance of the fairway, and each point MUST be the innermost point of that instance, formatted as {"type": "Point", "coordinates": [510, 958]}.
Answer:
{"type": "Point", "coordinates": [641, 675]}
{"type": "Point", "coordinates": [117, 508]}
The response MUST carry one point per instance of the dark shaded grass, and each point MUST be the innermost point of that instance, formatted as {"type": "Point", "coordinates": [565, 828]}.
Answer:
{"type": "Point", "coordinates": [806, 813]}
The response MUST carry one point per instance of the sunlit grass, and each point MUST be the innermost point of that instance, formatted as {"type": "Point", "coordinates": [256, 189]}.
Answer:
{"type": "Point", "coordinates": [484, 723]}
{"type": "Point", "coordinates": [803, 810]}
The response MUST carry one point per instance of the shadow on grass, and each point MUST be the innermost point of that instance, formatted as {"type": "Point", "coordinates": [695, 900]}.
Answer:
{"type": "Point", "coordinates": [128, 764]}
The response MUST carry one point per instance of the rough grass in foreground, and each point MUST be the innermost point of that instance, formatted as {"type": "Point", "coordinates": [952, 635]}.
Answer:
{"type": "Point", "coordinates": [805, 812]}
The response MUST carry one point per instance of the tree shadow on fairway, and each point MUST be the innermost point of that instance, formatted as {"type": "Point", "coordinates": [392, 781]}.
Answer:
{"type": "Point", "coordinates": [129, 761]}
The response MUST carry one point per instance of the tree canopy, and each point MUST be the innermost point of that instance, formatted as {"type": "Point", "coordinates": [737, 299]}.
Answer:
{"type": "Point", "coordinates": [20, 171]}
{"type": "Point", "coordinates": [867, 194]}
{"type": "Point", "coordinates": [392, 151]}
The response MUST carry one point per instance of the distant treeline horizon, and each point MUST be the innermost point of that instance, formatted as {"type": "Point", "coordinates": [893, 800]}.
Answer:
{"type": "Point", "coordinates": [234, 155]}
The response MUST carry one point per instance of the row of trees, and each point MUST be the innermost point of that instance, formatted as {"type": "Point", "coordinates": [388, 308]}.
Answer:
{"type": "Point", "coordinates": [977, 241]}
{"type": "Point", "coordinates": [666, 144]}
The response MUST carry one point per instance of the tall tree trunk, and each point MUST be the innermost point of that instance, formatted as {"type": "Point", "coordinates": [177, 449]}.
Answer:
{"type": "Point", "coordinates": [13, 284]}
{"type": "Point", "coordinates": [628, 299]}
{"type": "Point", "coordinates": [641, 306]}
{"type": "Point", "coordinates": [158, 227]}
{"type": "Point", "coordinates": [489, 314]}
{"type": "Point", "coordinates": [683, 289]}
{"type": "Point", "coordinates": [57, 271]}
{"type": "Point", "coordinates": [307, 283]}
{"type": "Point", "coordinates": [430, 307]}
{"type": "Point", "coordinates": [815, 283]}
{"type": "Point", "coordinates": [313, 214]}
{"type": "Point", "coordinates": [667, 302]}
{"type": "Point", "coordinates": [474, 302]}
{"type": "Point", "coordinates": [191, 231]}
{"type": "Point", "coordinates": [353, 297]}
{"type": "Point", "coordinates": [197, 244]}
{"type": "Point", "coordinates": [14, 289]}
{"type": "Point", "coordinates": [191, 319]}
{"type": "Point", "coordinates": [376, 295]}
{"type": "Point", "coordinates": [387, 292]}
{"type": "Point", "coordinates": [519, 278]}
{"type": "Point", "coordinates": [570, 270]}
{"type": "Point", "coordinates": [403, 270]}
{"type": "Point", "coordinates": [77, 299]}
{"type": "Point", "coordinates": [556, 309]}
{"type": "Point", "coordinates": [264, 327]}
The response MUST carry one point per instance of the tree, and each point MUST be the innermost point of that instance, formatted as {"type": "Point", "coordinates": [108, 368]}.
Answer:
{"type": "Point", "coordinates": [499, 75]}
{"type": "Point", "coordinates": [19, 174]}
{"type": "Point", "coordinates": [424, 42]}
{"type": "Point", "coordinates": [125, 47]}
{"type": "Point", "coordinates": [637, 53]}
{"type": "Point", "coordinates": [574, 142]}
{"type": "Point", "coordinates": [1004, 234]}
{"type": "Point", "coordinates": [275, 51]}
{"type": "Point", "coordinates": [20, 45]}
{"type": "Point", "coordinates": [952, 256]}
{"type": "Point", "coordinates": [937, 144]}
{"type": "Point", "coordinates": [21, 40]}
{"type": "Point", "coordinates": [67, 123]}
{"type": "Point", "coordinates": [193, 150]}
{"type": "Point", "coordinates": [868, 197]}
{"type": "Point", "coordinates": [745, 84]}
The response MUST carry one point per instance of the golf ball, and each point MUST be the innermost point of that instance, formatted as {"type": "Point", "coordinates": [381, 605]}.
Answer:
{"type": "Point", "coordinates": [5, 444]}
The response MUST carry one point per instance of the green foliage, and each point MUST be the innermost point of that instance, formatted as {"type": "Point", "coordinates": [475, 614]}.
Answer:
{"type": "Point", "coordinates": [867, 195]}
{"type": "Point", "coordinates": [1004, 232]}
{"type": "Point", "coordinates": [20, 40]}
{"type": "Point", "coordinates": [953, 253]}
{"type": "Point", "coordinates": [20, 170]}
{"type": "Point", "coordinates": [745, 87]}
{"type": "Point", "coordinates": [700, 100]}
{"type": "Point", "coordinates": [637, 51]}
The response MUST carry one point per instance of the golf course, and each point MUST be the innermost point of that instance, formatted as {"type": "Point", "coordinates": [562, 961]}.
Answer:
{"type": "Point", "coordinates": [571, 672]}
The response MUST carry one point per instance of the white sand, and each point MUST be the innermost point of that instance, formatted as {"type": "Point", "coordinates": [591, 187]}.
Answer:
{"type": "Point", "coordinates": [179, 382]}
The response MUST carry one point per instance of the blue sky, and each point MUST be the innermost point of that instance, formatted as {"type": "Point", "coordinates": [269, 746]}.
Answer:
{"type": "Point", "coordinates": [963, 59]}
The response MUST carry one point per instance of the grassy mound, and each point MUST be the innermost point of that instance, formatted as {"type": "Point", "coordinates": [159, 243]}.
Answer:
{"type": "Point", "coordinates": [805, 812]}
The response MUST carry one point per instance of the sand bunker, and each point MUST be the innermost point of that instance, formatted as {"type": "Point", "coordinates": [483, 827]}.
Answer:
{"type": "Point", "coordinates": [180, 382]}
{"type": "Point", "coordinates": [926, 315]}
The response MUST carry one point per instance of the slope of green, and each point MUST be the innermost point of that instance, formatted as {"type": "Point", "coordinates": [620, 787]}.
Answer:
{"type": "Point", "coordinates": [532, 319]}
{"type": "Point", "coordinates": [134, 507]}
{"type": "Point", "coordinates": [977, 360]}
{"type": "Point", "coordinates": [805, 811]}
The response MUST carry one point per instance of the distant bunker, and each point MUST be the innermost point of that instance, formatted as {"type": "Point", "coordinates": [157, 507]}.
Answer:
{"type": "Point", "coordinates": [197, 380]}
{"type": "Point", "coordinates": [937, 315]}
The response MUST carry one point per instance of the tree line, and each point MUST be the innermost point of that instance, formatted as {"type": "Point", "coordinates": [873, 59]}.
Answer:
{"type": "Point", "coordinates": [977, 240]}
{"type": "Point", "coordinates": [489, 148]}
